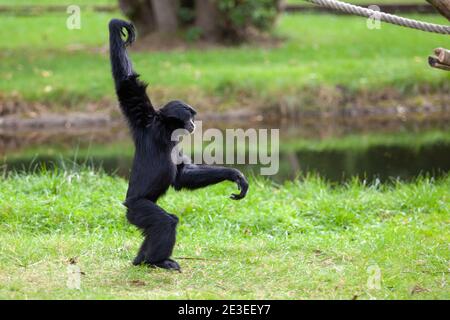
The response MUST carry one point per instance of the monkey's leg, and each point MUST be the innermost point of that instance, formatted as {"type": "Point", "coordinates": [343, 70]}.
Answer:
{"type": "Point", "coordinates": [159, 229]}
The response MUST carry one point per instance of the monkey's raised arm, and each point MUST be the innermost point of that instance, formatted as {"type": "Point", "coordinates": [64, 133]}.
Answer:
{"type": "Point", "coordinates": [131, 92]}
{"type": "Point", "coordinates": [120, 63]}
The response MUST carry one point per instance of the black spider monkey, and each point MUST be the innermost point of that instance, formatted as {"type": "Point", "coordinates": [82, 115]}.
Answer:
{"type": "Point", "coordinates": [153, 170]}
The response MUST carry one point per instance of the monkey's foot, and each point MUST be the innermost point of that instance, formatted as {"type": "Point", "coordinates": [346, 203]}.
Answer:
{"type": "Point", "coordinates": [139, 259]}
{"type": "Point", "coordinates": [166, 264]}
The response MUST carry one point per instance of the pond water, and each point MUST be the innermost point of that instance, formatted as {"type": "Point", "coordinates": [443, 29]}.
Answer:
{"type": "Point", "coordinates": [336, 154]}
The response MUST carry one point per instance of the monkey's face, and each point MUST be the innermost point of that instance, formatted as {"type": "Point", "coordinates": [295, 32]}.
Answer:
{"type": "Point", "coordinates": [190, 125]}
{"type": "Point", "coordinates": [178, 115]}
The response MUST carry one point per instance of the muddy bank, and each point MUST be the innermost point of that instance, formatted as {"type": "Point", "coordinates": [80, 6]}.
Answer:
{"type": "Point", "coordinates": [316, 112]}
{"type": "Point", "coordinates": [248, 117]}
{"type": "Point", "coordinates": [235, 103]}
{"type": "Point", "coordinates": [80, 121]}
{"type": "Point", "coordinates": [55, 121]}
{"type": "Point", "coordinates": [17, 133]}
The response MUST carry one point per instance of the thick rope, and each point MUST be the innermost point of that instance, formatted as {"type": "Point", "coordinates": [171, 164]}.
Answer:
{"type": "Point", "coordinates": [386, 17]}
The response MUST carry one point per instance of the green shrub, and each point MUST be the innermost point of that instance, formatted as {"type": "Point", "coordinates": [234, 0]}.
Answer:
{"type": "Point", "coordinates": [239, 17]}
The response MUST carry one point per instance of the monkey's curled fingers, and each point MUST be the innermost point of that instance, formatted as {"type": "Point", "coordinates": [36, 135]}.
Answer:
{"type": "Point", "coordinates": [242, 185]}
{"type": "Point", "coordinates": [130, 35]}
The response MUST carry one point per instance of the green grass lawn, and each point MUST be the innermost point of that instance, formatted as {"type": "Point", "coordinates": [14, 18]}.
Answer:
{"type": "Point", "coordinates": [47, 63]}
{"type": "Point", "coordinates": [299, 240]}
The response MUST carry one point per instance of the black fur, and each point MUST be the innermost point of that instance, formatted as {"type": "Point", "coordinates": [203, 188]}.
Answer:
{"type": "Point", "coordinates": [153, 170]}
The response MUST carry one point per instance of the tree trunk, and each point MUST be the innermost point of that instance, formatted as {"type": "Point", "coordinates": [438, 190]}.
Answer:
{"type": "Point", "coordinates": [140, 12]}
{"type": "Point", "coordinates": [443, 6]}
{"type": "Point", "coordinates": [165, 12]}
{"type": "Point", "coordinates": [207, 19]}
{"type": "Point", "coordinates": [280, 5]}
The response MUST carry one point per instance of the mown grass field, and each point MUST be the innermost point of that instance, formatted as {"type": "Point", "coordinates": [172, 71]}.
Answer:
{"type": "Point", "coordinates": [299, 240]}
{"type": "Point", "coordinates": [47, 63]}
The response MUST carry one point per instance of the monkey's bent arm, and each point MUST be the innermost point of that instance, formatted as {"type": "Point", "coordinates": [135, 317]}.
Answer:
{"type": "Point", "coordinates": [198, 176]}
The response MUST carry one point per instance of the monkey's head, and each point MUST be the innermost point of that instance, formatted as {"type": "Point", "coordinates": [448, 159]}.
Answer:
{"type": "Point", "coordinates": [178, 115]}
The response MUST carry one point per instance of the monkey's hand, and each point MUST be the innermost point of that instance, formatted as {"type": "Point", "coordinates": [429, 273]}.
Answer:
{"type": "Point", "coordinates": [242, 185]}
{"type": "Point", "coordinates": [117, 26]}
